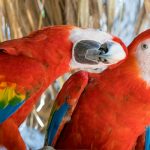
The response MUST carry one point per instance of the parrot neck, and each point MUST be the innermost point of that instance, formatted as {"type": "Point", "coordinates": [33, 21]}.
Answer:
{"type": "Point", "coordinates": [58, 69]}
{"type": "Point", "coordinates": [50, 46]}
{"type": "Point", "coordinates": [56, 53]}
{"type": "Point", "coordinates": [58, 60]}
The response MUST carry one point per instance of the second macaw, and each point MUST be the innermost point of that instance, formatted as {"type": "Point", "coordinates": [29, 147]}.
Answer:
{"type": "Point", "coordinates": [113, 109]}
{"type": "Point", "coordinates": [30, 64]}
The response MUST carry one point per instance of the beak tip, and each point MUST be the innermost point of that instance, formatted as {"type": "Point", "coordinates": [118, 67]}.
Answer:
{"type": "Point", "coordinates": [115, 54]}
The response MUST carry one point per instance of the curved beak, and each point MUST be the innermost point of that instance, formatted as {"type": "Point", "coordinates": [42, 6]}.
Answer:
{"type": "Point", "coordinates": [92, 53]}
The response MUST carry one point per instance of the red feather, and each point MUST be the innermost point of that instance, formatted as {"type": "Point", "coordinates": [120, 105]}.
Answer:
{"type": "Point", "coordinates": [113, 111]}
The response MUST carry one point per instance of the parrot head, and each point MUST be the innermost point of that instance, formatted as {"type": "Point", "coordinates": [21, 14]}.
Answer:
{"type": "Point", "coordinates": [86, 49]}
{"type": "Point", "coordinates": [95, 50]}
{"type": "Point", "coordinates": [140, 49]}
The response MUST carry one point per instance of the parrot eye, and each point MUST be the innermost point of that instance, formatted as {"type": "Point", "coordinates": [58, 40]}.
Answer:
{"type": "Point", "coordinates": [144, 46]}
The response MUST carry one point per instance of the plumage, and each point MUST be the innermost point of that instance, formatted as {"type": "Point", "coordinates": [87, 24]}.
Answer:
{"type": "Point", "coordinates": [19, 83]}
{"type": "Point", "coordinates": [10, 137]}
{"type": "Point", "coordinates": [30, 64]}
{"type": "Point", "coordinates": [57, 118]}
{"type": "Point", "coordinates": [49, 49]}
{"type": "Point", "coordinates": [11, 98]}
{"type": "Point", "coordinates": [114, 109]}
{"type": "Point", "coordinates": [9, 110]}
{"type": "Point", "coordinates": [65, 104]}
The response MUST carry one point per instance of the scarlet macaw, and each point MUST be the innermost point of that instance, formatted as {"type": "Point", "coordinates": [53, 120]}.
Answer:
{"type": "Point", "coordinates": [113, 109]}
{"type": "Point", "coordinates": [30, 64]}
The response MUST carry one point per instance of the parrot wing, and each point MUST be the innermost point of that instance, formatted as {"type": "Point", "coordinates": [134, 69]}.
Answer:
{"type": "Point", "coordinates": [64, 105]}
{"type": "Point", "coordinates": [20, 78]}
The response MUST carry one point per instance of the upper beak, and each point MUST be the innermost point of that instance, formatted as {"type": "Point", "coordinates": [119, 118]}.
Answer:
{"type": "Point", "coordinates": [92, 52]}
{"type": "Point", "coordinates": [113, 53]}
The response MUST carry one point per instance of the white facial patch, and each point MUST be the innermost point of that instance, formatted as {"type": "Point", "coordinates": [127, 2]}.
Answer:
{"type": "Point", "coordinates": [143, 59]}
{"type": "Point", "coordinates": [89, 34]}
{"type": "Point", "coordinates": [115, 52]}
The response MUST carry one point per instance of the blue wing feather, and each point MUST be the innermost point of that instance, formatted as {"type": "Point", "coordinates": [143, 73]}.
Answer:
{"type": "Point", "coordinates": [55, 122]}
{"type": "Point", "coordinates": [8, 111]}
{"type": "Point", "coordinates": [147, 138]}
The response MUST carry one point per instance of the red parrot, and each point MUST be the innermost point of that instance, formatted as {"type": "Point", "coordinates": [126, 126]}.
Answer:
{"type": "Point", "coordinates": [30, 64]}
{"type": "Point", "coordinates": [112, 111]}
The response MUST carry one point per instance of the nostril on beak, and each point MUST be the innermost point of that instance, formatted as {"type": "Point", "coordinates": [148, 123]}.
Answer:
{"type": "Point", "coordinates": [103, 49]}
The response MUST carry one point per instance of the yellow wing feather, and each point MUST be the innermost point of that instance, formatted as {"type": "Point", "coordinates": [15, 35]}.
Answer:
{"type": "Point", "coordinates": [10, 94]}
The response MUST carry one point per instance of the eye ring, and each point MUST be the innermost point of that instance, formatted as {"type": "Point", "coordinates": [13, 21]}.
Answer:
{"type": "Point", "coordinates": [144, 46]}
